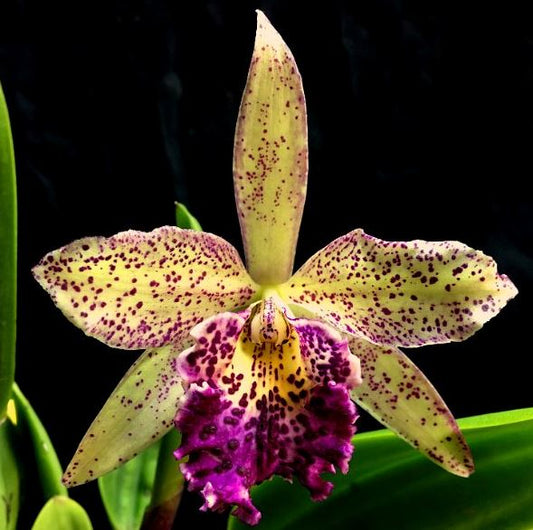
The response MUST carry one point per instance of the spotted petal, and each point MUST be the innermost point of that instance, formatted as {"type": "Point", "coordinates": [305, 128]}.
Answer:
{"type": "Point", "coordinates": [399, 293]}
{"type": "Point", "coordinates": [255, 409]}
{"type": "Point", "coordinates": [398, 395]}
{"type": "Point", "coordinates": [140, 290]}
{"type": "Point", "coordinates": [270, 158]}
{"type": "Point", "coordinates": [139, 411]}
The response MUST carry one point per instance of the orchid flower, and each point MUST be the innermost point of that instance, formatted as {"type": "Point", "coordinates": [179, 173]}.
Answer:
{"type": "Point", "coordinates": [258, 367]}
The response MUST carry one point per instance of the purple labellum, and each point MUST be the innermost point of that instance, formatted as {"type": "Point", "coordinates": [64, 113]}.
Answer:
{"type": "Point", "coordinates": [255, 409]}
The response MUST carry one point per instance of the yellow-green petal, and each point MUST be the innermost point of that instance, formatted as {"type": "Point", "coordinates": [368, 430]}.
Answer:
{"type": "Point", "coordinates": [139, 290]}
{"type": "Point", "coordinates": [399, 293]}
{"type": "Point", "coordinates": [139, 411]}
{"type": "Point", "coordinates": [400, 396]}
{"type": "Point", "coordinates": [270, 158]}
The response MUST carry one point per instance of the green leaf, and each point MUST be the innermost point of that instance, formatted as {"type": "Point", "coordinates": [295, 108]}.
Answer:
{"type": "Point", "coordinates": [62, 513]}
{"type": "Point", "coordinates": [126, 492]}
{"type": "Point", "coordinates": [9, 478]}
{"type": "Point", "coordinates": [168, 485]}
{"type": "Point", "coordinates": [184, 218]}
{"type": "Point", "coordinates": [30, 427]}
{"type": "Point", "coordinates": [8, 261]}
{"type": "Point", "coordinates": [391, 486]}
{"type": "Point", "coordinates": [495, 419]}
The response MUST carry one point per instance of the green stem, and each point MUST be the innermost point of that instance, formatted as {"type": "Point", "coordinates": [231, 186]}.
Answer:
{"type": "Point", "coordinates": [168, 486]}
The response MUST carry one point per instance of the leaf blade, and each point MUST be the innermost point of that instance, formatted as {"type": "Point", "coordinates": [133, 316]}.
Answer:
{"type": "Point", "coordinates": [126, 491]}
{"type": "Point", "coordinates": [185, 219]}
{"type": "Point", "coordinates": [46, 460]}
{"type": "Point", "coordinates": [418, 495]}
{"type": "Point", "coordinates": [8, 262]}
{"type": "Point", "coordinates": [62, 513]}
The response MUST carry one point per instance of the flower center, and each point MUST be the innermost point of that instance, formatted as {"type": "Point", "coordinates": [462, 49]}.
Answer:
{"type": "Point", "coordinates": [268, 323]}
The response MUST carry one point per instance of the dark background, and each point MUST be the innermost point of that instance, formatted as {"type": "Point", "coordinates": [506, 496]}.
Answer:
{"type": "Point", "coordinates": [420, 123]}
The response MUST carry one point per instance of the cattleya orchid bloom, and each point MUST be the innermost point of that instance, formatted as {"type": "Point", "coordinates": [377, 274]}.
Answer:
{"type": "Point", "coordinates": [259, 367]}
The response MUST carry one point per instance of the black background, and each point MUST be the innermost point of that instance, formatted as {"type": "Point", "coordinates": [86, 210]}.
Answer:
{"type": "Point", "coordinates": [420, 127]}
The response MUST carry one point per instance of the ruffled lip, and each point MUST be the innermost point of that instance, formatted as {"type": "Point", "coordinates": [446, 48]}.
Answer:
{"type": "Point", "coordinates": [253, 410]}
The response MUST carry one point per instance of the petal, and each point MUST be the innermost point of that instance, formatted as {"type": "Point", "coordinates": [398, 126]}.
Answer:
{"type": "Point", "coordinates": [398, 395]}
{"type": "Point", "coordinates": [255, 409]}
{"type": "Point", "coordinates": [140, 410]}
{"type": "Point", "coordinates": [270, 158]}
{"type": "Point", "coordinates": [399, 293]}
{"type": "Point", "coordinates": [139, 290]}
